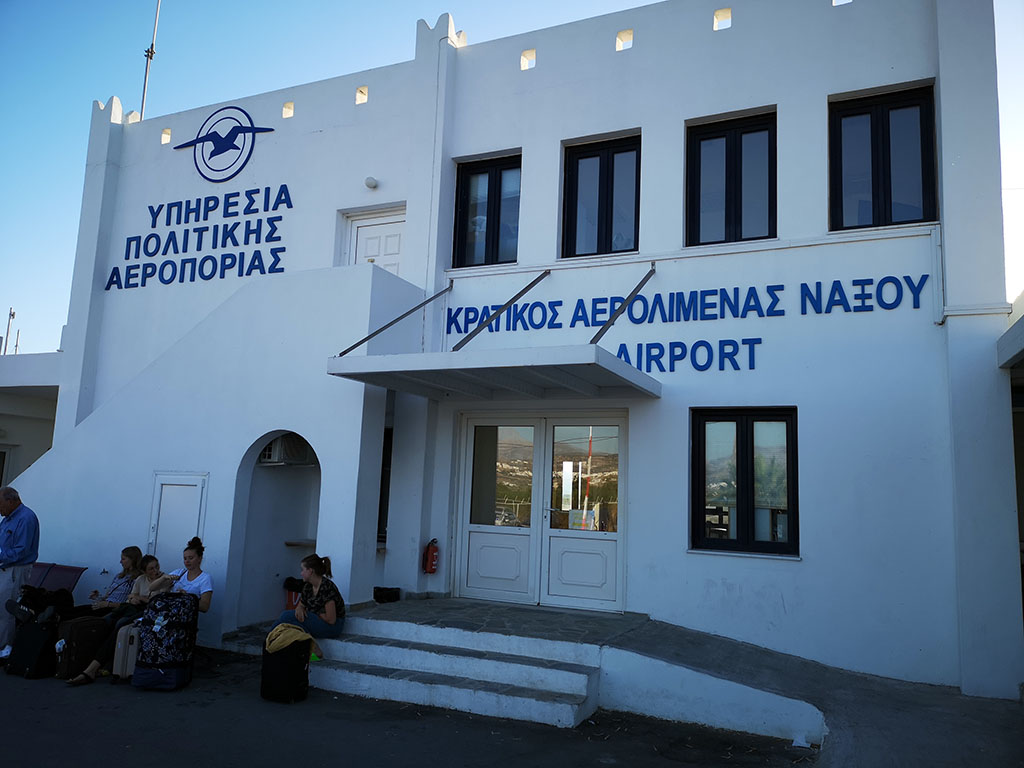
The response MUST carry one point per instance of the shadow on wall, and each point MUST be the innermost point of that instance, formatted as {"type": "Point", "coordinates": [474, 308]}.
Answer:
{"type": "Point", "coordinates": [281, 521]}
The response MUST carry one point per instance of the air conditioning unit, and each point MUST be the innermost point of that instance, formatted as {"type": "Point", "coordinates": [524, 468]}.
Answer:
{"type": "Point", "coordinates": [287, 450]}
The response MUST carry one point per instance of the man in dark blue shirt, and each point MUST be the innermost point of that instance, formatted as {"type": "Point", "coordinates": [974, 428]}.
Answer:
{"type": "Point", "coordinates": [19, 549]}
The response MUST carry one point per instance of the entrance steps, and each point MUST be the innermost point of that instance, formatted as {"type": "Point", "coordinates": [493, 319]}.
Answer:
{"type": "Point", "coordinates": [483, 674]}
{"type": "Point", "coordinates": [555, 666]}
{"type": "Point", "coordinates": [510, 676]}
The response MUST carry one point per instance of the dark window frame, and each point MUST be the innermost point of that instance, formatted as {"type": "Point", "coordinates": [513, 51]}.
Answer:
{"type": "Point", "coordinates": [732, 131]}
{"type": "Point", "coordinates": [744, 541]}
{"type": "Point", "coordinates": [605, 150]}
{"type": "Point", "coordinates": [879, 107]}
{"type": "Point", "coordinates": [493, 167]}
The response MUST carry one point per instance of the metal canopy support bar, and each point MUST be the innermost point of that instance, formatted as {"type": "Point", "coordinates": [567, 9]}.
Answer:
{"type": "Point", "coordinates": [623, 305]}
{"type": "Point", "coordinates": [398, 319]}
{"type": "Point", "coordinates": [504, 307]}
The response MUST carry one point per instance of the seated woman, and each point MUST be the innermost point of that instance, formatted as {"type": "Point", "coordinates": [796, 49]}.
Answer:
{"type": "Point", "coordinates": [117, 593]}
{"type": "Point", "coordinates": [321, 609]}
{"type": "Point", "coordinates": [142, 588]}
{"type": "Point", "coordinates": [191, 579]}
{"type": "Point", "coordinates": [131, 609]}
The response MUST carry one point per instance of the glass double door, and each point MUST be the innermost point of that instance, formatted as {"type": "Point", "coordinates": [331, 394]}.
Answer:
{"type": "Point", "coordinates": [542, 511]}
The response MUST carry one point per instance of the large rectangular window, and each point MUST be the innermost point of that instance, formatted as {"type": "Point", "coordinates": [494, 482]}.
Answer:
{"type": "Point", "coordinates": [602, 198]}
{"type": "Point", "coordinates": [882, 160]}
{"type": "Point", "coordinates": [487, 212]}
{"type": "Point", "coordinates": [730, 180]}
{"type": "Point", "coordinates": [744, 480]}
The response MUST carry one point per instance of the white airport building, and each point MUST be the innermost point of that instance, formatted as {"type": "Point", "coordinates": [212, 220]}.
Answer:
{"type": "Point", "coordinates": [710, 325]}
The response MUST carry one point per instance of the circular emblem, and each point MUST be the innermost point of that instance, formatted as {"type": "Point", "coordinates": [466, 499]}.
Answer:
{"type": "Point", "coordinates": [224, 144]}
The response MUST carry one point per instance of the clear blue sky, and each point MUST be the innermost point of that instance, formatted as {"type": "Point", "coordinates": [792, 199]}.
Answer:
{"type": "Point", "coordinates": [58, 56]}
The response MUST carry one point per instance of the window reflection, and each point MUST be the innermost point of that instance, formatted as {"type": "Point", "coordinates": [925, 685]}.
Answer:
{"type": "Point", "coordinates": [624, 201]}
{"type": "Point", "coordinates": [476, 222]}
{"type": "Point", "coordinates": [712, 190]}
{"type": "Point", "coordinates": [905, 164]}
{"type": "Point", "coordinates": [771, 492]}
{"type": "Point", "coordinates": [588, 190]}
{"type": "Point", "coordinates": [857, 184]}
{"type": "Point", "coordinates": [502, 476]}
{"type": "Point", "coordinates": [720, 480]}
{"type": "Point", "coordinates": [508, 216]}
{"type": "Point", "coordinates": [755, 192]}
{"type": "Point", "coordinates": [585, 478]}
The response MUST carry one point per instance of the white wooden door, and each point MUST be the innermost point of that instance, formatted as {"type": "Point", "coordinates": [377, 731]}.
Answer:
{"type": "Point", "coordinates": [177, 516]}
{"type": "Point", "coordinates": [581, 561]}
{"type": "Point", "coordinates": [378, 240]}
{"type": "Point", "coordinates": [500, 543]}
{"type": "Point", "coordinates": [541, 511]}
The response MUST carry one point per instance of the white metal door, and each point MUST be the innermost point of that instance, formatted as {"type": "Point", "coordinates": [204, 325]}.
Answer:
{"type": "Point", "coordinates": [581, 565]}
{"type": "Point", "coordinates": [541, 512]}
{"type": "Point", "coordinates": [500, 548]}
{"type": "Point", "coordinates": [378, 241]}
{"type": "Point", "coordinates": [177, 516]}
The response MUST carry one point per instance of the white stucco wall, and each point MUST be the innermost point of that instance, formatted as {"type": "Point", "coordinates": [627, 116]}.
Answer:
{"type": "Point", "coordinates": [903, 416]}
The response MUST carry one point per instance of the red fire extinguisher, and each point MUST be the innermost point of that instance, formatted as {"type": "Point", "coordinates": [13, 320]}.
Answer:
{"type": "Point", "coordinates": [430, 556]}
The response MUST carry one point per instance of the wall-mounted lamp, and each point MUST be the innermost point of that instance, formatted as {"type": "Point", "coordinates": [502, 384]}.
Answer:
{"type": "Point", "coordinates": [371, 183]}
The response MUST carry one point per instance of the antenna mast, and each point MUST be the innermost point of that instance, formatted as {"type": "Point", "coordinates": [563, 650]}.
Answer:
{"type": "Point", "coordinates": [149, 53]}
{"type": "Point", "coordinates": [10, 316]}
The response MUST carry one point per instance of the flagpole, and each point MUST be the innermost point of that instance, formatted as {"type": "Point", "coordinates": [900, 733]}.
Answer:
{"type": "Point", "coordinates": [149, 53]}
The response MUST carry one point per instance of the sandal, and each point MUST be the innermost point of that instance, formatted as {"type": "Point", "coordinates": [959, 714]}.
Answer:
{"type": "Point", "coordinates": [82, 679]}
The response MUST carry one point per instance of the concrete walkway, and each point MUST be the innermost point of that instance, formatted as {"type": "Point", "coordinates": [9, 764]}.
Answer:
{"type": "Point", "coordinates": [872, 721]}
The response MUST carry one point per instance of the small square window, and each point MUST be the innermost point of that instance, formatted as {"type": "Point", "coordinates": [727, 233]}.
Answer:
{"type": "Point", "coordinates": [165, 136]}
{"type": "Point", "coordinates": [723, 19]}
{"type": "Point", "coordinates": [528, 59]}
{"type": "Point", "coordinates": [624, 40]}
{"type": "Point", "coordinates": [743, 480]}
{"type": "Point", "coordinates": [730, 180]}
{"type": "Point", "coordinates": [882, 160]}
{"type": "Point", "coordinates": [362, 94]}
{"type": "Point", "coordinates": [487, 212]}
{"type": "Point", "coordinates": [288, 110]}
{"type": "Point", "coordinates": [602, 198]}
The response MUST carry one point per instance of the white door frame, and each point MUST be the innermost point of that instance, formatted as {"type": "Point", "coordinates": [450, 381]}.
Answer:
{"type": "Point", "coordinates": [353, 221]}
{"type": "Point", "coordinates": [543, 423]}
{"type": "Point", "coordinates": [464, 491]}
{"type": "Point", "coordinates": [547, 533]}
{"type": "Point", "coordinates": [160, 479]}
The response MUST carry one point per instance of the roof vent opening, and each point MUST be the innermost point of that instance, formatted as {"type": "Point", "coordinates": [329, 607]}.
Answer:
{"type": "Point", "coordinates": [528, 59]}
{"type": "Point", "coordinates": [723, 19]}
{"type": "Point", "coordinates": [624, 40]}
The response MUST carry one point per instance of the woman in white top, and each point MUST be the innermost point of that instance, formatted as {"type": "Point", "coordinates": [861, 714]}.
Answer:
{"type": "Point", "coordinates": [191, 579]}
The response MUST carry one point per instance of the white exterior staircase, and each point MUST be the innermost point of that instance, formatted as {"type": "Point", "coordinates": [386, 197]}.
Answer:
{"type": "Point", "coordinates": [521, 678]}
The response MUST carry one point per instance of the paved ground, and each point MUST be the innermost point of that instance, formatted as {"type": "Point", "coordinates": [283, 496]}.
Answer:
{"type": "Point", "coordinates": [220, 720]}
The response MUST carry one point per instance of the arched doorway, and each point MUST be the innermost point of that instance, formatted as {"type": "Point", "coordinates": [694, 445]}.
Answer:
{"type": "Point", "coordinates": [280, 503]}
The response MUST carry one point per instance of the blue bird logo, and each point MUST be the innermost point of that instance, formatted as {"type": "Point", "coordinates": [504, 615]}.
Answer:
{"type": "Point", "coordinates": [224, 144]}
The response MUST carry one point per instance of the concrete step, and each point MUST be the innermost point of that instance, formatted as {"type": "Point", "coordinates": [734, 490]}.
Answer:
{"type": "Point", "coordinates": [493, 642]}
{"type": "Point", "coordinates": [481, 697]}
{"type": "Point", "coordinates": [490, 666]}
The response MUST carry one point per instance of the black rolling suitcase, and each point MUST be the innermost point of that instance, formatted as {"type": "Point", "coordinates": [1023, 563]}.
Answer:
{"type": "Point", "coordinates": [285, 674]}
{"type": "Point", "coordinates": [167, 640]}
{"type": "Point", "coordinates": [33, 653]}
{"type": "Point", "coordinates": [77, 643]}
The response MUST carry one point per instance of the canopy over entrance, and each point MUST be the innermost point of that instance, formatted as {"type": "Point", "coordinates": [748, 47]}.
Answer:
{"type": "Point", "coordinates": [534, 373]}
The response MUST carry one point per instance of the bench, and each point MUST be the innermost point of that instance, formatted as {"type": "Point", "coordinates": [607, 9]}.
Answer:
{"type": "Point", "coordinates": [53, 576]}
